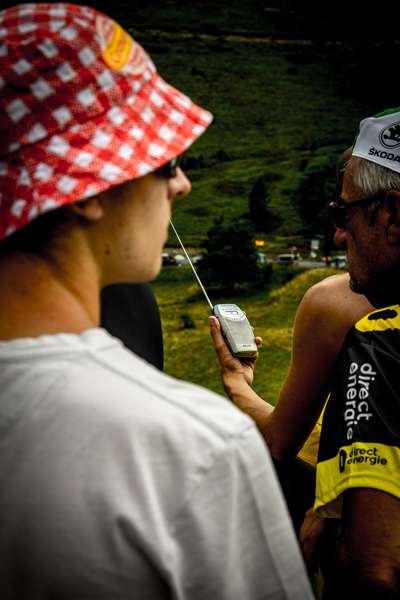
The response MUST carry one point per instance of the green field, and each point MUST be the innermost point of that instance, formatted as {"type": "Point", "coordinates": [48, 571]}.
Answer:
{"type": "Point", "coordinates": [278, 107]}
{"type": "Point", "coordinates": [188, 352]}
{"type": "Point", "coordinates": [276, 111]}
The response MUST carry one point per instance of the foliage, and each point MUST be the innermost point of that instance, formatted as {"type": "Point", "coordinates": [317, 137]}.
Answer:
{"type": "Point", "coordinates": [268, 121]}
{"type": "Point", "coordinates": [230, 260]}
{"type": "Point", "coordinates": [192, 162]}
{"type": "Point", "coordinates": [259, 207]}
{"type": "Point", "coordinates": [316, 189]}
{"type": "Point", "coordinates": [268, 272]}
{"type": "Point", "coordinates": [282, 274]}
{"type": "Point", "coordinates": [187, 321]}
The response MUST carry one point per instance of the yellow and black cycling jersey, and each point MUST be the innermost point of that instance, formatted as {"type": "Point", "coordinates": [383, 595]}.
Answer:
{"type": "Point", "coordinates": [360, 437]}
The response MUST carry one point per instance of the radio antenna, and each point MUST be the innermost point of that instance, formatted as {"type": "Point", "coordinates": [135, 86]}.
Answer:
{"type": "Point", "coordinates": [191, 264]}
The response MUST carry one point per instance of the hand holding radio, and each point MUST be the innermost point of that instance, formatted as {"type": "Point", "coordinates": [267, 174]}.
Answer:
{"type": "Point", "coordinates": [232, 368]}
{"type": "Point", "coordinates": [234, 325]}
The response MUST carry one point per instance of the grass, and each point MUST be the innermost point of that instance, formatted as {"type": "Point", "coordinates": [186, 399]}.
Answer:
{"type": "Point", "coordinates": [188, 352]}
{"type": "Point", "coordinates": [276, 107]}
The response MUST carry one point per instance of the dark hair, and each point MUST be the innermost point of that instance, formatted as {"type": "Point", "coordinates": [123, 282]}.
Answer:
{"type": "Point", "coordinates": [37, 236]}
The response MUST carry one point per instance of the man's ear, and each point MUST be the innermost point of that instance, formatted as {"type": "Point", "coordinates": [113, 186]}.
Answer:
{"type": "Point", "coordinates": [90, 209]}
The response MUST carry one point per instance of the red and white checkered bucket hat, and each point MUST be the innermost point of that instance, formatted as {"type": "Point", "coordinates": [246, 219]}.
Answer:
{"type": "Point", "coordinates": [82, 109]}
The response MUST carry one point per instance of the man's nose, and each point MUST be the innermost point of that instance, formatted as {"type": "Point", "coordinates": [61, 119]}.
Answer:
{"type": "Point", "coordinates": [179, 185]}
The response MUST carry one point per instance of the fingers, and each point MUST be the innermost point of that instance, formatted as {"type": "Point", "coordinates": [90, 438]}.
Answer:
{"type": "Point", "coordinates": [215, 330]}
{"type": "Point", "coordinates": [219, 342]}
{"type": "Point", "coordinates": [221, 348]}
{"type": "Point", "coordinates": [214, 323]}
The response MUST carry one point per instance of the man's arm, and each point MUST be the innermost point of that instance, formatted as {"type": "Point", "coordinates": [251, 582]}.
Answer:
{"type": "Point", "coordinates": [368, 554]}
{"type": "Point", "coordinates": [325, 315]}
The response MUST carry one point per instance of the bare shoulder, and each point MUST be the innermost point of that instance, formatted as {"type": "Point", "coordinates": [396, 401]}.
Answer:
{"type": "Point", "coordinates": [331, 288]}
{"type": "Point", "coordinates": [332, 303]}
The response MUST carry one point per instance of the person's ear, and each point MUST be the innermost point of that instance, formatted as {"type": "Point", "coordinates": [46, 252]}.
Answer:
{"type": "Point", "coordinates": [90, 209]}
{"type": "Point", "coordinates": [392, 202]}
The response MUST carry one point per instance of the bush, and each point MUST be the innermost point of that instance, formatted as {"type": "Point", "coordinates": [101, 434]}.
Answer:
{"type": "Point", "coordinates": [231, 260]}
{"type": "Point", "coordinates": [192, 162]}
{"type": "Point", "coordinates": [187, 321]}
{"type": "Point", "coordinates": [231, 188]}
{"type": "Point", "coordinates": [222, 156]}
{"type": "Point", "coordinates": [267, 273]}
{"type": "Point", "coordinates": [316, 189]}
{"type": "Point", "coordinates": [282, 274]}
{"type": "Point", "coordinates": [259, 212]}
{"type": "Point", "coordinates": [198, 211]}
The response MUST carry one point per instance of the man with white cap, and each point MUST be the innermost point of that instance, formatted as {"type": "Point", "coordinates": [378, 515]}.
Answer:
{"type": "Point", "coordinates": [116, 480]}
{"type": "Point", "coordinates": [359, 457]}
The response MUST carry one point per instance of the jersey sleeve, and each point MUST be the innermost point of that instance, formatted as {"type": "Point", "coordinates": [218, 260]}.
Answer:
{"type": "Point", "coordinates": [360, 439]}
{"type": "Point", "coordinates": [234, 540]}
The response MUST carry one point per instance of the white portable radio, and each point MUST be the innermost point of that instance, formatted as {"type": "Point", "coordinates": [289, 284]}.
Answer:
{"type": "Point", "coordinates": [235, 326]}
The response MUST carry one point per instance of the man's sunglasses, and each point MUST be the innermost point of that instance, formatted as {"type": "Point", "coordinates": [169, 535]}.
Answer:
{"type": "Point", "coordinates": [170, 168]}
{"type": "Point", "coordinates": [339, 210]}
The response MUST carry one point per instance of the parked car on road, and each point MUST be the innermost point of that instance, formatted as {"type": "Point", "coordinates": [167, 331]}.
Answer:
{"type": "Point", "coordinates": [179, 259]}
{"type": "Point", "coordinates": [176, 260]}
{"type": "Point", "coordinates": [286, 259]}
{"type": "Point", "coordinates": [167, 259]}
{"type": "Point", "coordinates": [196, 259]}
{"type": "Point", "coordinates": [339, 262]}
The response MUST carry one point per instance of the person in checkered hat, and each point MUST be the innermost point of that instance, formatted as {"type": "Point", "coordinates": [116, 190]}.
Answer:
{"type": "Point", "coordinates": [117, 481]}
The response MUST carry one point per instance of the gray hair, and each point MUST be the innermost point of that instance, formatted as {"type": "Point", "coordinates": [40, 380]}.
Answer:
{"type": "Point", "coordinates": [371, 178]}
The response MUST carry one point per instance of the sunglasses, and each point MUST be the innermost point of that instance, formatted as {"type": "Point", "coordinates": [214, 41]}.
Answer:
{"type": "Point", "coordinates": [339, 210]}
{"type": "Point", "coordinates": [170, 168]}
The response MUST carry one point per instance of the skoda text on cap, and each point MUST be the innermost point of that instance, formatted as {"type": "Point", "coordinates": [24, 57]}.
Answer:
{"type": "Point", "coordinates": [378, 139]}
{"type": "Point", "coordinates": [82, 108]}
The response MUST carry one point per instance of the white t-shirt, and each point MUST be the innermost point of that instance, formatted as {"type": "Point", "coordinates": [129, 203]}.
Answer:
{"type": "Point", "coordinates": [119, 482]}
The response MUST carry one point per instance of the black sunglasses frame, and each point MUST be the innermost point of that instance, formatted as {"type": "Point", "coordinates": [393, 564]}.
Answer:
{"type": "Point", "coordinates": [339, 210]}
{"type": "Point", "coordinates": [170, 168]}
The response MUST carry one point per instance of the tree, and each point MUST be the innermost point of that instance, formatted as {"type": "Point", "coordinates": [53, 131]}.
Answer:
{"type": "Point", "coordinates": [231, 259]}
{"type": "Point", "coordinates": [316, 189]}
{"type": "Point", "coordinates": [259, 212]}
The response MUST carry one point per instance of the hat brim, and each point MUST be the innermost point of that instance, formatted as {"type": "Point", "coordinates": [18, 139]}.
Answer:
{"type": "Point", "coordinates": [128, 141]}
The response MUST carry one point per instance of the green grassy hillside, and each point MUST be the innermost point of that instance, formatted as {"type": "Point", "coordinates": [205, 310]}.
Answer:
{"type": "Point", "coordinates": [188, 352]}
{"type": "Point", "coordinates": [278, 107]}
